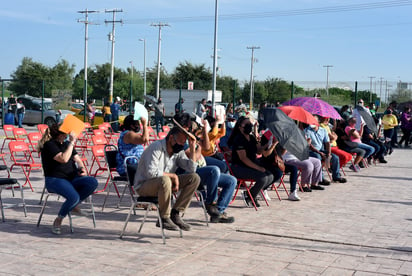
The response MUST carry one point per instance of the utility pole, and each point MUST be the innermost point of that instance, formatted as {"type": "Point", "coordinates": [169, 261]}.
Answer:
{"type": "Point", "coordinates": [253, 48]}
{"type": "Point", "coordinates": [327, 78]}
{"type": "Point", "coordinates": [112, 39]}
{"type": "Point", "coordinates": [86, 38]}
{"type": "Point", "coordinates": [214, 57]}
{"type": "Point", "coordinates": [370, 90]}
{"type": "Point", "coordinates": [144, 66]}
{"type": "Point", "coordinates": [380, 92]}
{"type": "Point", "coordinates": [159, 25]}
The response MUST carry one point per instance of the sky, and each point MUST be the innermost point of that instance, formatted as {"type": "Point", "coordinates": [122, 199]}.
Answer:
{"type": "Point", "coordinates": [297, 38]}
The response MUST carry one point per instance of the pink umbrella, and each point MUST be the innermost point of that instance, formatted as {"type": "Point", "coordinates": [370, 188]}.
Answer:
{"type": "Point", "coordinates": [315, 106]}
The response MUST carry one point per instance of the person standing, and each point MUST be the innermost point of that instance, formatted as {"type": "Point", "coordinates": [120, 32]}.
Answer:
{"type": "Point", "coordinates": [107, 113]}
{"type": "Point", "coordinates": [201, 109]}
{"type": "Point", "coordinates": [12, 104]}
{"type": "Point", "coordinates": [179, 106]}
{"type": "Point", "coordinates": [21, 110]}
{"type": "Point", "coordinates": [115, 110]}
{"type": "Point", "coordinates": [90, 111]}
{"type": "Point", "coordinates": [159, 109]}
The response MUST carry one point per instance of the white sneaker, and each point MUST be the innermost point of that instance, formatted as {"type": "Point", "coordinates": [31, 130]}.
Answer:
{"type": "Point", "coordinates": [294, 196]}
{"type": "Point", "coordinates": [265, 192]}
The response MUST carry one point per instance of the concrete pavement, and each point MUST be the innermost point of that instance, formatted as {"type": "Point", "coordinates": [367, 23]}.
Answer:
{"type": "Point", "coordinates": [363, 227]}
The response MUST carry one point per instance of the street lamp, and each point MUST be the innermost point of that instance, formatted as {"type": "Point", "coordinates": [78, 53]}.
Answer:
{"type": "Point", "coordinates": [159, 43]}
{"type": "Point", "coordinates": [144, 65]}
{"type": "Point", "coordinates": [370, 89]}
{"type": "Point", "coordinates": [251, 75]}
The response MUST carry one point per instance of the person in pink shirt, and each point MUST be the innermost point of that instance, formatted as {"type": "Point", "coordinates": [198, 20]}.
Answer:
{"type": "Point", "coordinates": [355, 137]}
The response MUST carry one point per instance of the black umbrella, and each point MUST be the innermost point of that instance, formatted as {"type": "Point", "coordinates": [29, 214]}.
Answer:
{"type": "Point", "coordinates": [367, 117]}
{"type": "Point", "coordinates": [286, 132]}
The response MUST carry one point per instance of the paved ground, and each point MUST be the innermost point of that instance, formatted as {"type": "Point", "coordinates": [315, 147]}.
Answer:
{"type": "Point", "coordinates": [363, 227]}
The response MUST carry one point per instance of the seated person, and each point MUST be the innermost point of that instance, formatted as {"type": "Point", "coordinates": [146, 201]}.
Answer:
{"type": "Point", "coordinates": [155, 176]}
{"type": "Point", "coordinates": [211, 154]}
{"type": "Point", "coordinates": [369, 138]}
{"type": "Point", "coordinates": [64, 173]}
{"type": "Point", "coordinates": [320, 148]}
{"type": "Point", "coordinates": [245, 164]}
{"type": "Point", "coordinates": [273, 162]}
{"type": "Point", "coordinates": [355, 136]}
{"type": "Point", "coordinates": [344, 157]}
{"type": "Point", "coordinates": [230, 124]}
{"type": "Point", "coordinates": [345, 144]}
{"type": "Point", "coordinates": [210, 176]}
{"type": "Point", "coordinates": [131, 142]}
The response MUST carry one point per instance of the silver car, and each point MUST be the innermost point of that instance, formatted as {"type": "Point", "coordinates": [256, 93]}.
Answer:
{"type": "Point", "coordinates": [33, 115]}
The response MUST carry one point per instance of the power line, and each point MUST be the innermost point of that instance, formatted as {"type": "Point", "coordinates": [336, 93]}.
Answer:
{"type": "Point", "coordinates": [294, 12]}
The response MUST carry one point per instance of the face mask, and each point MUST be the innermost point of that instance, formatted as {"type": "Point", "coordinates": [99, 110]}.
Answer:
{"type": "Point", "coordinates": [231, 124]}
{"type": "Point", "coordinates": [177, 148]}
{"type": "Point", "coordinates": [312, 126]}
{"type": "Point", "coordinates": [248, 128]}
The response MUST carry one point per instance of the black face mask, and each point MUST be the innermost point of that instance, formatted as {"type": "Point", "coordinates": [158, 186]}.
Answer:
{"type": "Point", "coordinates": [177, 148]}
{"type": "Point", "coordinates": [247, 128]}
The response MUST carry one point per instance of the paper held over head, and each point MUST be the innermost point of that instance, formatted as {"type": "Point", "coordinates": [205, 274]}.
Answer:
{"type": "Point", "coordinates": [140, 111]}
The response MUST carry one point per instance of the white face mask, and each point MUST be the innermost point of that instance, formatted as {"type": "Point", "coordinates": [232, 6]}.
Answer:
{"type": "Point", "coordinates": [231, 124]}
{"type": "Point", "coordinates": [312, 126]}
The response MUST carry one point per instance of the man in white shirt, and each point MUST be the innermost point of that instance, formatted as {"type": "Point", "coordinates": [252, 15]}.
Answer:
{"type": "Point", "coordinates": [155, 176]}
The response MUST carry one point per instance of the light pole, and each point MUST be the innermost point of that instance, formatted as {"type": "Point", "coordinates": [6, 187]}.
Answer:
{"type": "Point", "coordinates": [144, 70]}
{"type": "Point", "coordinates": [251, 75]}
{"type": "Point", "coordinates": [215, 56]}
{"type": "Point", "coordinates": [327, 78]}
{"type": "Point", "coordinates": [159, 25]}
{"type": "Point", "coordinates": [370, 89]}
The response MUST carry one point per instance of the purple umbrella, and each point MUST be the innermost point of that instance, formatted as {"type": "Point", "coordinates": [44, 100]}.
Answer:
{"type": "Point", "coordinates": [315, 106]}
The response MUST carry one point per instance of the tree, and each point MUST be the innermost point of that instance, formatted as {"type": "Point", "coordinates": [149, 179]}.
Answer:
{"type": "Point", "coordinates": [185, 72]}
{"type": "Point", "coordinates": [151, 78]}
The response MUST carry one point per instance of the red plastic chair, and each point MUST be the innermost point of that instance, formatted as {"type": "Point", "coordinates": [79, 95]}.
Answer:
{"type": "Point", "coordinates": [34, 138]}
{"type": "Point", "coordinates": [98, 159]}
{"type": "Point", "coordinates": [8, 133]}
{"type": "Point", "coordinates": [20, 134]}
{"type": "Point", "coordinates": [243, 182]}
{"type": "Point", "coordinates": [166, 128]}
{"type": "Point", "coordinates": [21, 157]}
{"type": "Point", "coordinates": [42, 128]}
{"type": "Point", "coordinates": [162, 135]}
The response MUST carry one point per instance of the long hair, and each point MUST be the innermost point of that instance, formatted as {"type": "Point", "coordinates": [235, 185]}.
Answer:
{"type": "Point", "coordinates": [236, 130]}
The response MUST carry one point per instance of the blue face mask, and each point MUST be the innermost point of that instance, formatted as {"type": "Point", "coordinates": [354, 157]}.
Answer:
{"type": "Point", "coordinates": [231, 124]}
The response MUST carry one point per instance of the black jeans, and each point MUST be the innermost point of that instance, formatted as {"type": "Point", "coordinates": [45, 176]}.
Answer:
{"type": "Point", "coordinates": [263, 179]}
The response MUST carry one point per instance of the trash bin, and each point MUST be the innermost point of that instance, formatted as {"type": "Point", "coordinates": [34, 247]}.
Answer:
{"type": "Point", "coordinates": [9, 119]}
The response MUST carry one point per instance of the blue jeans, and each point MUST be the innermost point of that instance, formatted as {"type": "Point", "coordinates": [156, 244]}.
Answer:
{"type": "Point", "coordinates": [211, 161]}
{"type": "Point", "coordinates": [334, 164]}
{"type": "Point", "coordinates": [74, 191]}
{"type": "Point", "coordinates": [369, 150]}
{"type": "Point", "coordinates": [159, 120]}
{"type": "Point", "coordinates": [211, 177]}
{"type": "Point", "coordinates": [20, 117]}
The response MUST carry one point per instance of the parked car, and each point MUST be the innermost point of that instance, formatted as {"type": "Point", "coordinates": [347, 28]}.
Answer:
{"type": "Point", "coordinates": [33, 115]}
{"type": "Point", "coordinates": [98, 116]}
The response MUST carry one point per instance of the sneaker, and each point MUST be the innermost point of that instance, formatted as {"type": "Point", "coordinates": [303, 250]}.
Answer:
{"type": "Point", "coordinates": [167, 224]}
{"type": "Point", "coordinates": [383, 161]}
{"type": "Point", "coordinates": [354, 168]}
{"type": "Point", "coordinates": [317, 187]}
{"type": "Point", "coordinates": [222, 218]}
{"type": "Point", "coordinates": [357, 166]}
{"type": "Point", "coordinates": [294, 196]}
{"type": "Point", "coordinates": [340, 180]}
{"type": "Point", "coordinates": [177, 220]}
{"type": "Point", "coordinates": [246, 199]}
{"type": "Point", "coordinates": [361, 165]}
{"type": "Point", "coordinates": [266, 194]}
{"type": "Point", "coordinates": [212, 210]}
{"type": "Point", "coordinates": [324, 182]}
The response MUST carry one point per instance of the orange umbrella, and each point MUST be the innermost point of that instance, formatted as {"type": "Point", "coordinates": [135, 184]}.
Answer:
{"type": "Point", "coordinates": [299, 114]}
